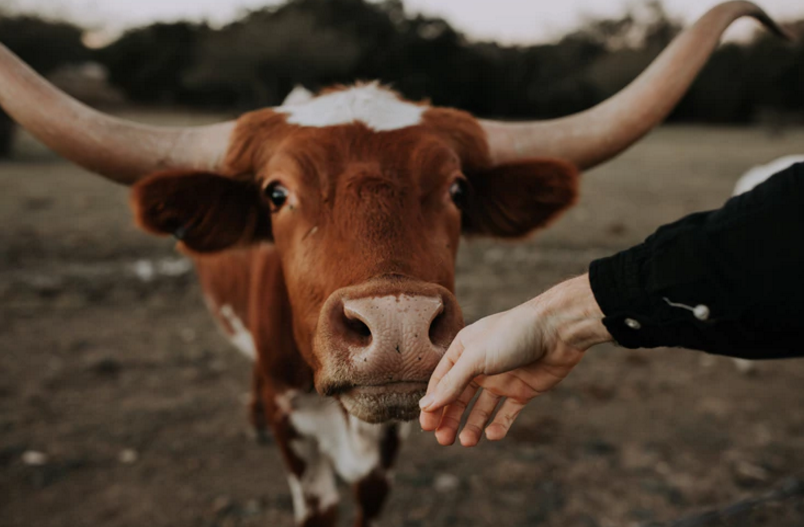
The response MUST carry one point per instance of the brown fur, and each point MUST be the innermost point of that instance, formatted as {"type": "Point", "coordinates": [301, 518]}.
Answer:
{"type": "Point", "coordinates": [328, 518]}
{"type": "Point", "coordinates": [390, 447]}
{"type": "Point", "coordinates": [212, 212]}
{"type": "Point", "coordinates": [514, 199]}
{"type": "Point", "coordinates": [371, 493]}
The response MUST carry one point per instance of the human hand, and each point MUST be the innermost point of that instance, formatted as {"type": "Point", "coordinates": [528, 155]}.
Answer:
{"type": "Point", "coordinates": [512, 357]}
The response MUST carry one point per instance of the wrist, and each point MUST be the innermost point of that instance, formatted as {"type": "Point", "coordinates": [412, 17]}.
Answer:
{"type": "Point", "coordinates": [574, 313]}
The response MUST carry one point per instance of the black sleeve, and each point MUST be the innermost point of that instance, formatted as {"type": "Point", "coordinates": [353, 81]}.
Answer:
{"type": "Point", "coordinates": [735, 275]}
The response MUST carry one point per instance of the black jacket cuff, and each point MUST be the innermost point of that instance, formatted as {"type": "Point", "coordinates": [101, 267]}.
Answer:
{"type": "Point", "coordinates": [616, 282]}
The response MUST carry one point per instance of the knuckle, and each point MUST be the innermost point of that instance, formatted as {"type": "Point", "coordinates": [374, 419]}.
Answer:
{"type": "Point", "coordinates": [449, 421]}
{"type": "Point", "coordinates": [459, 406]}
{"type": "Point", "coordinates": [448, 379]}
{"type": "Point", "coordinates": [472, 429]}
{"type": "Point", "coordinates": [478, 420]}
{"type": "Point", "coordinates": [504, 421]}
{"type": "Point", "coordinates": [479, 415]}
{"type": "Point", "coordinates": [483, 415]}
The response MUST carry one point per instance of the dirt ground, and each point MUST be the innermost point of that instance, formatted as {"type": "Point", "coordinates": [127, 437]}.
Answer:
{"type": "Point", "coordinates": [121, 405]}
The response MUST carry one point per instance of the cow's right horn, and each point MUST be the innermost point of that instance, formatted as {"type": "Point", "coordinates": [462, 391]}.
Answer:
{"type": "Point", "coordinates": [595, 135]}
{"type": "Point", "coordinates": [120, 150]}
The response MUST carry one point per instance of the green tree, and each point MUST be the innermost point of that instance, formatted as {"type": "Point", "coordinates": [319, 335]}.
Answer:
{"type": "Point", "coordinates": [149, 63]}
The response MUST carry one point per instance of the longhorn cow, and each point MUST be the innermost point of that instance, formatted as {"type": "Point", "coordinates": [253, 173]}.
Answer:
{"type": "Point", "coordinates": [324, 233]}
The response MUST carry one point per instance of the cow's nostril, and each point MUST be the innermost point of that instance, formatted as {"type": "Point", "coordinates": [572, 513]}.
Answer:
{"type": "Point", "coordinates": [439, 333]}
{"type": "Point", "coordinates": [355, 330]}
{"type": "Point", "coordinates": [358, 327]}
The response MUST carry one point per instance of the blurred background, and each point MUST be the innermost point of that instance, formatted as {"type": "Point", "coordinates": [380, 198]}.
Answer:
{"type": "Point", "coordinates": [256, 58]}
{"type": "Point", "coordinates": [121, 405]}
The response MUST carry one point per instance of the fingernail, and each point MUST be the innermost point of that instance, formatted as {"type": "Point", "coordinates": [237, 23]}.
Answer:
{"type": "Point", "coordinates": [426, 401]}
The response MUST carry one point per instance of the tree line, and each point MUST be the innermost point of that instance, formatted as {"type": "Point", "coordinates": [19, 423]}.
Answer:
{"type": "Point", "coordinates": [256, 60]}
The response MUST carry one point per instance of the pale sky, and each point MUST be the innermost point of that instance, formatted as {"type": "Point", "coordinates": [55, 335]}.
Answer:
{"type": "Point", "coordinates": [506, 21]}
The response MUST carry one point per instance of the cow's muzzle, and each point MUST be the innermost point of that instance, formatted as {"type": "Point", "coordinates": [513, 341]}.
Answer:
{"type": "Point", "coordinates": [379, 342]}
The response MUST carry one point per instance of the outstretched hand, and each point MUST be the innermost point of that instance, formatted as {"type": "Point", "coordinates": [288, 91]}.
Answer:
{"type": "Point", "coordinates": [510, 357]}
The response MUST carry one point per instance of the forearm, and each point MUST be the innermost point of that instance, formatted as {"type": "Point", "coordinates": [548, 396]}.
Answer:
{"type": "Point", "coordinates": [727, 281]}
{"type": "Point", "coordinates": [573, 312]}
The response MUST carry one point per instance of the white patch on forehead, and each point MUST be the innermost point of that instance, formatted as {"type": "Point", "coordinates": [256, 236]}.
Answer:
{"type": "Point", "coordinates": [377, 107]}
{"type": "Point", "coordinates": [240, 336]}
{"type": "Point", "coordinates": [352, 446]}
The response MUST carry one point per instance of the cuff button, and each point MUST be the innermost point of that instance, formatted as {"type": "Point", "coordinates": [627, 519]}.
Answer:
{"type": "Point", "coordinates": [633, 324]}
{"type": "Point", "coordinates": [701, 312]}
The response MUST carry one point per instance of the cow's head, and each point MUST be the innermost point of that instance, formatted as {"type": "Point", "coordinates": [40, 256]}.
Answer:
{"type": "Point", "coordinates": [364, 196]}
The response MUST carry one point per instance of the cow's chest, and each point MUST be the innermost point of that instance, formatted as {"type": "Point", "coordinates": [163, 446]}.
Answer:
{"type": "Point", "coordinates": [353, 448]}
{"type": "Point", "coordinates": [325, 440]}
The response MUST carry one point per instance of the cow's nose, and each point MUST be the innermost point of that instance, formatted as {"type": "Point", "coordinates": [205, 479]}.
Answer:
{"type": "Point", "coordinates": [403, 322]}
{"type": "Point", "coordinates": [399, 337]}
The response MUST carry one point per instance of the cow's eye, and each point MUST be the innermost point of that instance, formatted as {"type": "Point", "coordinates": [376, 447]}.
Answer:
{"type": "Point", "coordinates": [277, 195]}
{"type": "Point", "coordinates": [457, 191]}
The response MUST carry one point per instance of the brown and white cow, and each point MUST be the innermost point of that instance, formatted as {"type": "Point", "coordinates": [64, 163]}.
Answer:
{"type": "Point", "coordinates": [324, 233]}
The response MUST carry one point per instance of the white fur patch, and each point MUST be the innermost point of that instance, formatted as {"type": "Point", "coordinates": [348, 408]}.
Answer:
{"type": "Point", "coordinates": [316, 485]}
{"type": "Point", "coordinates": [760, 173]}
{"type": "Point", "coordinates": [241, 337]}
{"type": "Point", "coordinates": [352, 446]}
{"type": "Point", "coordinates": [299, 94]}
{"type": "Point", "coordinates": [377, 107]}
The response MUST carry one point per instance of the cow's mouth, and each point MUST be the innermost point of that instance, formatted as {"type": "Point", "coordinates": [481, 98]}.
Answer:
{"type": "Point", "coordinates": [380, 403]}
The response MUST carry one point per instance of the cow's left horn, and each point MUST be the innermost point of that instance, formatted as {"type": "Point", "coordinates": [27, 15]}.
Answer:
{"type": "Point", "coordinates": [595, 135]}
{"type": "Point", "coordinates": [120, 150]}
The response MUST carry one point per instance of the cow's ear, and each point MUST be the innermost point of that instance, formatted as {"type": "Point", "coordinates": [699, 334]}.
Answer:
{"type": "Point", "coordinates": [512, 199]}
{"type": "Point", "coordinates": [207, 212]}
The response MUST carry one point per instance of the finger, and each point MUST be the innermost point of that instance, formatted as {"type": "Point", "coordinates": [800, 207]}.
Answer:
{"type": "Point", "coordinates": [429, 421]}
{"type": "Point", "coordinates": [451, 420]}
{"type": "Point", "coordinates": [453, 353]}
{"type": "Point", "coordinates": [478, 417]}
{"type": "Point", "coordinates": [430, 418]}
{"type": "Point", "coordinates": [453, 383]}
{"type": "Point", "coordinates": [507, 414]}
{"type": "Point", "coordinates": [512, 386]}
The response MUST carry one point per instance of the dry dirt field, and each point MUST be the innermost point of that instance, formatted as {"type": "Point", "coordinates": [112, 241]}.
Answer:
{"type": "Point", "coordinates": [111, 368]}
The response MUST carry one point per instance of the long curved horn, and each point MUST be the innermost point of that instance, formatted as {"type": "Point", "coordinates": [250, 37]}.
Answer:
{"type": "Point", "coordinates": [120, 150]}
{"type": "Point", "coordinates": [593, 136]}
